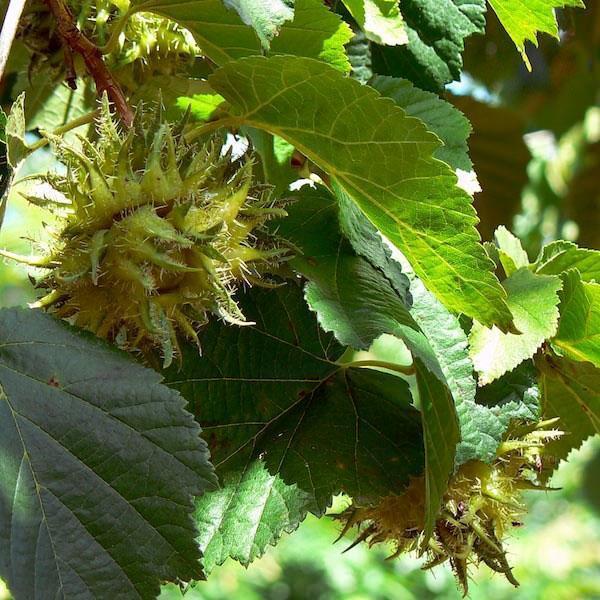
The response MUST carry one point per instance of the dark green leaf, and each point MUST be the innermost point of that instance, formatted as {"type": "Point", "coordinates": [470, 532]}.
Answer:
{"type": "Point", "coordinates": [410, 196]}
{"type": "Point", "coordinates": [560, 256]}
{"type": "Point", "coordinates": [275, 391]}
{"type": "Point", "coordinates": [100, 463]}
{"type": "Point", "coordinates": [533, 300]}
{"type": "Point", "coordinates": [436, 33]}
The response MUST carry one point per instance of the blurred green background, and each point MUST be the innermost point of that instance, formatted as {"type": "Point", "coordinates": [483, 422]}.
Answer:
{"type": "Point", "coordinates": [536, 150]}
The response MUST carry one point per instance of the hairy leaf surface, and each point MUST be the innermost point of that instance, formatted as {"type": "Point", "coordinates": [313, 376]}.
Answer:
{"type": "Point", "coordinates": [411, 197]}
{"type": "Point", "coordinates": [100, 463]}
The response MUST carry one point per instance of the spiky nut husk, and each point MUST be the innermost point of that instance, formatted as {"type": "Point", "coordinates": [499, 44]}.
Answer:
{"type": "Point", "coordinates": [481, 504]}
{"type": "Point", "coordinates": [156, 235]}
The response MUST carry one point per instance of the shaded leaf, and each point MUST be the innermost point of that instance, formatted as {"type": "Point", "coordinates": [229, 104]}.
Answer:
{"type": "Point", "coordinates": [250, 511]}
{"type": "Point", "coordinates": [100, 463]}
{"type": "Point", "coordinates": [436, 33]}
{"type": "Point", "coordinates": [411, 197]}
{"type": "Point", "coordinates": [578, 336]}
{"type": "Point", "coordinates": [571, 391]}
{"type": "Point", "coordinates": [358, 303]}
{"type": "Point", "coordinates": [275, 391]}
{"type": "Point", "coordinates": [533, 300]}
{"type": "Point", "coordinates": [315, 32]}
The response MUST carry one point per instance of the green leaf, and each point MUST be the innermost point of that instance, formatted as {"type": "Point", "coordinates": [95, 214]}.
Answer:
{"type": "Point", "coordinates": [380, 20]}
{"type": "Point", "coordinates": [274, 389]}
{"type": "Point", "coordinates": [99, 462]}
{"type": "Point", "coordinates": [578, 336]}
{"type": "Point", "coordinates": [481, 427]}
{"type": "Point", "coordinates": [533, 301]}
{"type": "Point", "coordinates": [407, 194]}
{"type": "Point", "coordinates": [500, 157]}
{"type": "Point", "coordinates": [14, 131]}
{"type": "Point", "coordinates": [250, 511]}
{"type": "Point", "coordinates": [571, 391]}
{"type": "Point", "coordinates": [436, 36]}
{"type": "Point", "coordinates": [510, 251]}
{"type": "Point", "coordinates": [315, 31]}
{"type": "Point", "coordinates": [522, 19]}
{"type": "Point", "coordinates": [358, 50]}
{"type": "Point", "coordinates": [560, 256]}
{"type": "Point", "coordinates": [2, 126]}
{"type": "Point", "coordinates": [219, 31]}
{"type": "Point", "coordinates": [50, 104]}
{"type": "Point", "coordinates": [276, 159]}
{"type": "Point", "coordinates": [265, 16]}
{"type": "Point", "coordinates": [446, 121]}
{"type": "Point", "coordinates": [358, 303]}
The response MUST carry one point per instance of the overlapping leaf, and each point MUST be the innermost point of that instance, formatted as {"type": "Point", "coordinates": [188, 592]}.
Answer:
{"type": "Point", "coordinates": [411, 197]}
{"type": "Point", "coordinates": [446, 121]}
{"type": "Point", "coordinates": [354, 298]}
{"type": "Point", "coordinates": [274, 391]}
{"type": "Point", "coordinates": [560, 256]}
{"type": "Point", "coordinates": [380, 20]}
{"type": "Point", "coordinates": [523, 19]}
{"type": "Point", "coordinates": [533, 300]}
{"type": "Point", "coordinates": [223, 36]}
{"type": "Point", "coordinates": [578, 336]}
{"type": "Point", "coordinates": [571, 391]}
{"type": "Point", "coordinates": [99, 462]}
{"type": "Point", "coordinates": [436, 33]}
{"type": "Point", "coordinates": [251, 511]}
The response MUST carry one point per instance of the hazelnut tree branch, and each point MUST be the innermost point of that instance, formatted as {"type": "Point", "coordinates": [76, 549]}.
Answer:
{"type": "Point", "coordinates": [75, 41]}
{"type": "Point", "coordinates": [9, 29]}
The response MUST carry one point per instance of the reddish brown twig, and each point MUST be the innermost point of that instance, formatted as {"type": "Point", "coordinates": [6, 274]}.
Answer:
{"type": "Point", "coordinates": [75, 41]}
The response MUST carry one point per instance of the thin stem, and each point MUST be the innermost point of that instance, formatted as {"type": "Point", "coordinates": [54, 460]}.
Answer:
{"type": "Point", "coordinates": [77, 42]}
{"type": "Point", "coordinates": [402, 369]}
{"type": "Point", "coordinates": [78, 122]}
{"type": "Point", "coordinates": [9, 30]}
{"type": "Point", "coordinates": [118, 28]}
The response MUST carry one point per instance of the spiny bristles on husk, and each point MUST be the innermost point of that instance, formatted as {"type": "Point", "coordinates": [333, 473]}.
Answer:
{"type": "Point", "coordinates": [157, 234]}
{"type": "Point", "coordinates": [482, 502]}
